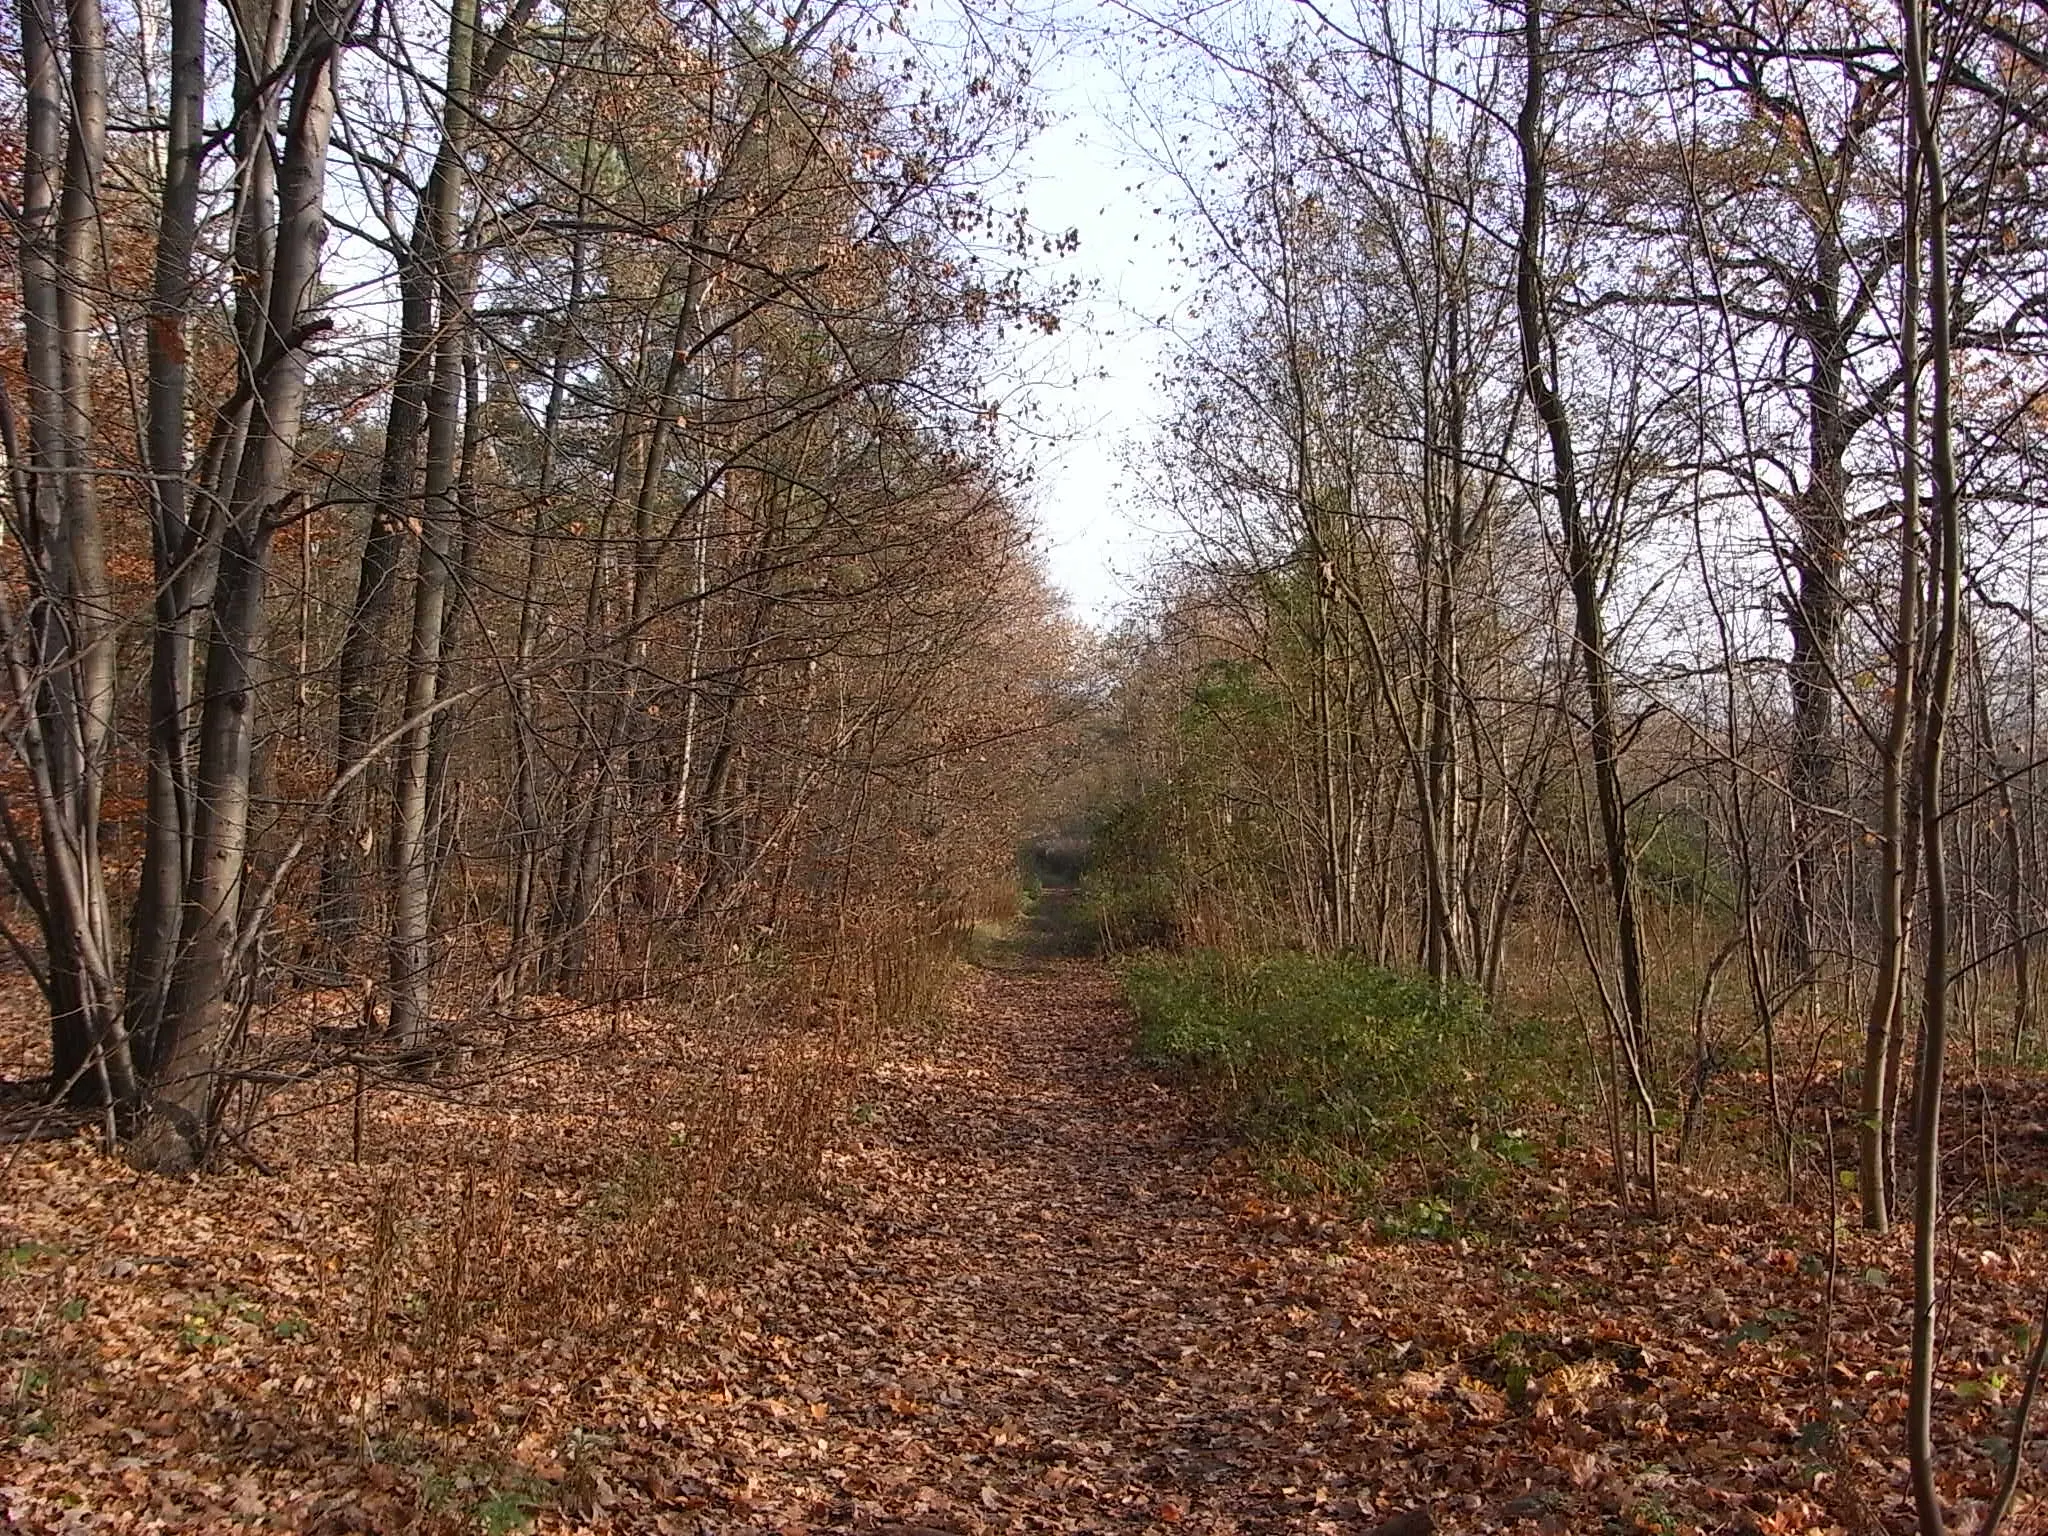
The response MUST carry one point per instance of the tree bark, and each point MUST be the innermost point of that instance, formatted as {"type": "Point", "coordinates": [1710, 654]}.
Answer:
{"type": "Point", "coordinates": [352, 839]}
{"type": "Point", "coordinates": [176, 539]}
{"type": "Point", "coordinates": [183, 1094]}
{"type": "Point", "coordinates": [1945, 555]}
{"type": "Point", "coordinates": [411, 865]}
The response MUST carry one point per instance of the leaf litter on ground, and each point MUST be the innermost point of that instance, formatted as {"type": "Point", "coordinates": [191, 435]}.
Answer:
{"type": "Point", "coordinates": [1030, 1288]}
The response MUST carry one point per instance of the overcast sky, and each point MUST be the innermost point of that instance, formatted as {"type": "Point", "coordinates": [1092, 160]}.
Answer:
{"type": "Point", "coordinates": [1079, 174]}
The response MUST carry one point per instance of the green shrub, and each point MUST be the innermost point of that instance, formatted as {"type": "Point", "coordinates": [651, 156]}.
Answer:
{"type": "Point", "coordinates": [1347, 1062]}
{"type": "Point", "coordinates": [1676, 859]}
{"type": "Point", "coordinates": [1127, 896]}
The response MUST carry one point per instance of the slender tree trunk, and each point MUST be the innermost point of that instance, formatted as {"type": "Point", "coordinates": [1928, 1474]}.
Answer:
{"type": "Point", "coordinates": [441, 807]}
{"type": "Point", "coordinates": [92, 617]}
{"type": "Point", "coordinates": [66, 652]}
{"type": "Point", "coordinates": [1814, 615]}
{"type": "Point", "coordinates": [365, 642]}
{"type": "Point", "coordinates": [1886, 1021]}
{"type": "Point", "coordinates": [529, 822]}
{"type": "Point", "coordinates": [1946, 557]}
{"type": "Point", "coordinates": [176, 537]}
{"type": "Point", "coordinates": [2013, 922]}
{"type": "Point", "coordinates": [1583, 574]}
{"type": "Point", "coordinates": [411, 865]}
{"type": "Point", "coordinates": [1887, 1001]}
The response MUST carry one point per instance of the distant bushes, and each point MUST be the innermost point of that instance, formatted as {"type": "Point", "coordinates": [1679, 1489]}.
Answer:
{"type": "Point", "coordinates": [1344, 1062]}
{"type": "Point", "coordinates": [1129, 897]}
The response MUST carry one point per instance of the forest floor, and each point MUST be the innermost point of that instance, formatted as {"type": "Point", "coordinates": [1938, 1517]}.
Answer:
{"type": "Point", "coordinates": [1037, 1292]}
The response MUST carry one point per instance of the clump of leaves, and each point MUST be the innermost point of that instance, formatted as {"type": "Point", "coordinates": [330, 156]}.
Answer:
{"type": "Point", "coordinates": [496, 1500]}
{"type": "Point", "coordinates": [1344, 1063]}
{"type": "Point", "coordinates": [33, 1384]}
{"type": "Point", "coordinates": [20, 1256]}
{"type": "Point", "coordinates": [507, 1511]}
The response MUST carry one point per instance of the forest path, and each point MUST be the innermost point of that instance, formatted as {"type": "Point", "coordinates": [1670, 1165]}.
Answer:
{"type": "Point", "coordinates": [1058, 1304]}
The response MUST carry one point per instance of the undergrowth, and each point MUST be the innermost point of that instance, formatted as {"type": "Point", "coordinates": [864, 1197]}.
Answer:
{"type": "Point", "coordinates": [1338, 1071]}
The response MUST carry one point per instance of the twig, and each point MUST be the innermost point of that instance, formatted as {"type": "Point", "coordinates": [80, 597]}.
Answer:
{"type": "Point", "coordinates": [2009, 1482]}
{"type": "Point", "coordinates": [1827, 1316]}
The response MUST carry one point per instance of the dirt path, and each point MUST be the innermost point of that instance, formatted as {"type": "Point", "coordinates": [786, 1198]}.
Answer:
{"type": "Point", "coordinates": [1039, 1294]}
{"type": "Point", "coordinates": [1057, 1307]}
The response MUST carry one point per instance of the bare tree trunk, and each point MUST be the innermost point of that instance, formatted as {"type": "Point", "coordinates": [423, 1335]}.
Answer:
{"type": "Point", "coordinates": [65, 666]}
{"type": "Point", "coordinates": [176, 540]}
{"type": "Point", "coordinates": [1887, 1000]}
{"type": "Point", "coordinates": [1946, 558]}
{"type": "Point", "coordinates": [1589, 626]}
{"type": "Point", "coordinates": [352, 837]}
{"type": "Point", "coordinates": [1886, 1020]}
{"type": "Point", "coordinates": [411, 872]}
{"type": "Point", "coordinates": [2013, 921]}
{"type": "Point", "coordinates": [526, 807]}
{"type": "Point", "coordinates": [441, 809]}
{"type": "Point", "coordinates": [92, 615]}
{"type": "Point", "coordinates": [183, 1094]}
{"type": "Point", "coordinates": [1814, 614]}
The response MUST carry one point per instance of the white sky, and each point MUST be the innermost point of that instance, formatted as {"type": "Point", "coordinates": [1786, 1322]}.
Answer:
{"type": "Point", "coordinates": [1103, 368]}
